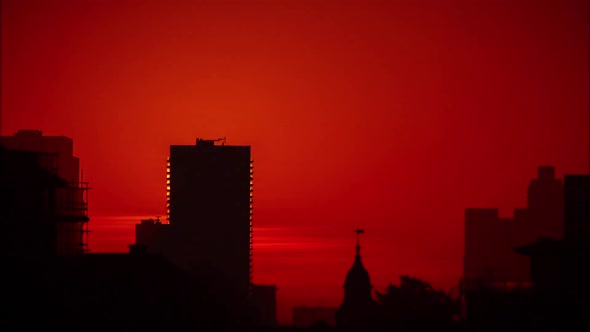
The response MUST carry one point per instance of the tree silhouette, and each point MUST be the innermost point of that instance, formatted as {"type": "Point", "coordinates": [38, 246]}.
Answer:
{"type": "Point", "coordinates": [415, 301]}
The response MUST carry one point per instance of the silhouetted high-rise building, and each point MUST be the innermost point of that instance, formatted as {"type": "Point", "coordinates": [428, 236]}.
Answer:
{"type": "Point", "coordinates": [65, 207]}
{"type": "Point", "coordinates": [358, 307]}
{"type": "Point", "coordinates": [210, 197]}
{"type": "Point", "coordinates": [490, 241]}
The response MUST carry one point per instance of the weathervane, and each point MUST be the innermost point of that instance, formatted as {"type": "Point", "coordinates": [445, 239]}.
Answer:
{"type": "Point", "coordinates": [358, 232]}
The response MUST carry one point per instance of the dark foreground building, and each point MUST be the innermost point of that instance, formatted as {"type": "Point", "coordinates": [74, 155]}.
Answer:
{"type": "Point", "coordinates": [105, 292]}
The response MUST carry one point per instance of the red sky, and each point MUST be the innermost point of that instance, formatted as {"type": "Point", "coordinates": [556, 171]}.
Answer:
{"type": "Point", "coordinates": [391, 115]}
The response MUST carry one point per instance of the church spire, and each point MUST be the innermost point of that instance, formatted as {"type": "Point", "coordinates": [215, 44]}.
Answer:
{"type": "Point", "coordinates": [357, 305]}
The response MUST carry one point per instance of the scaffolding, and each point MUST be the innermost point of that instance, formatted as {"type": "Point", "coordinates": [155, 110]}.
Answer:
{"type": "Point", "coordinates": [71, 217]}
{"type": "Point", "coordinates": [69, 209]}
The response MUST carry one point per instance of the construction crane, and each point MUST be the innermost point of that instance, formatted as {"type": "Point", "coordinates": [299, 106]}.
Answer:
{"type": "Point", "coordinates": [222, 140]}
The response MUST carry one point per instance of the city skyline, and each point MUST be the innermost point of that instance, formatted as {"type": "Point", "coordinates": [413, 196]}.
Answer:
{"type": "Point", "coordinates": [220, 165]}
{"type": "Point", "coordinates": [390, 115]}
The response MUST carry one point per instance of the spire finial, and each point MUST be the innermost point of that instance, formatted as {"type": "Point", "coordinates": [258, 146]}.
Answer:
{"type": "Point", "coordinates": [358, 232]}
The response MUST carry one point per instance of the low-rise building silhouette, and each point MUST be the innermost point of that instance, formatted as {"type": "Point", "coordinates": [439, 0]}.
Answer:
{"type": "Point", "coordinates": [264, 305]}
